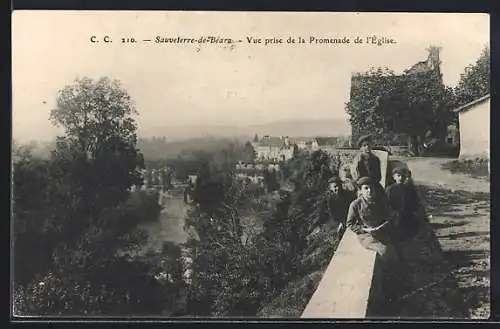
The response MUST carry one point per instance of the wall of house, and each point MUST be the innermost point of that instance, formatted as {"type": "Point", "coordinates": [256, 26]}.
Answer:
{"type": "Point", "coordinates": [273, 153]}
{"type": "Point", "coordinates": [302, 145]}
{"type": "Point", "coordinates": [475, 130]}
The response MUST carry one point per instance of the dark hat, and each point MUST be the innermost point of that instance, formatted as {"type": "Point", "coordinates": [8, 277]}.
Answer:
{"type": "Point", "coordinates": [399, 170]}
{"type": "Point", "coordinates": [364, 138]}
{"type": "Point", "coordinates": [364, 181]}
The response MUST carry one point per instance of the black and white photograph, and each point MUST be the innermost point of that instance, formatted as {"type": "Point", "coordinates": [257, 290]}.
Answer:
{"type": "Point", "coordinates": [185, 165]}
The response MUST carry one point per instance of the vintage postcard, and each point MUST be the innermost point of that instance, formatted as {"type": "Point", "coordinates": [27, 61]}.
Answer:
{"type": "Point", "coordinates": [253, 165]}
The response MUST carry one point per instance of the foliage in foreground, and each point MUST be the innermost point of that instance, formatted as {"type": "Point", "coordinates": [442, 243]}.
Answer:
{"type": "Point", "coordinates": [236, 276]}
{"type": "Point", "coordinates": [72, 215]}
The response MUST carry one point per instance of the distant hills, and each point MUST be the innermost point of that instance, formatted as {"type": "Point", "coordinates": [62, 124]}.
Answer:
{"type": "Point", "coordinates": [291, 128]}
{"type": "Point", "coordinates": [172, 141]}
{"type": "Point", "coordinates": [158, 148]}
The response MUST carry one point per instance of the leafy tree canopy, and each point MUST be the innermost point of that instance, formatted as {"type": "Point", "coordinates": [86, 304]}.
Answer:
{"type": "Point", "coordinates": [475, 80]}
{"type": "Point", "coordinates": [71, 216]}
{"type": "Point", "coordinates": [414, 104]}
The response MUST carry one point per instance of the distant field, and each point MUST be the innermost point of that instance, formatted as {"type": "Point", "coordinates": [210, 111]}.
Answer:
{"type": "Point", "coordinates": [158, 149]}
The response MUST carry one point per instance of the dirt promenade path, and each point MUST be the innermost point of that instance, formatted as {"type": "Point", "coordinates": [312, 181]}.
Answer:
{"type": "Point", "coordinates": [459, 209]}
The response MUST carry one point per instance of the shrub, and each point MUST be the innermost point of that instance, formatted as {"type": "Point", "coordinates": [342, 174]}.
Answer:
{"type": "Point", "coordinates": [232, 277]}
{"type": "Point", "coordinates": [293, 299]}
{"type": "Point", "coordinates": [143, 206]}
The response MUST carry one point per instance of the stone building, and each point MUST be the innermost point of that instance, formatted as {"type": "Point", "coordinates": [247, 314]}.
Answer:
{"type": "Point", "coordinates": [274, 149]}
{"type": "Point", "coordinates": [474, 122]}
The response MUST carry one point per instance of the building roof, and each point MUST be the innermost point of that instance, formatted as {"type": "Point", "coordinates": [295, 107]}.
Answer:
{"type": "Point", "coordinates": [470, 105]}
{"type": "Point", "coordinates": [300, 139]}
{"type": "Point", "coordinates": [271, 141]}
{"type": "Point", "coordinates": [327, 141]}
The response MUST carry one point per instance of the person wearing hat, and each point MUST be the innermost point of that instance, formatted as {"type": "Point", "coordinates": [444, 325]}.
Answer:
{"type": "Point", "coordinates": [404, 201]}
{"type": "Point", "coordinates": [366, 164]}
{"type": "Point", "coordinates": [370, 217]}
{"type": "Point", "coordinates": [396, 192]}
{"type": "Point", "coordinates": [338, 201]}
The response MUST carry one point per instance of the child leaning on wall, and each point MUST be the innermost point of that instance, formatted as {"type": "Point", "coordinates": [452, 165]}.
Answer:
{"type": "Point", "coordinates": [372, 220]}
{"type": "Point", "coordinates": [370, 217]}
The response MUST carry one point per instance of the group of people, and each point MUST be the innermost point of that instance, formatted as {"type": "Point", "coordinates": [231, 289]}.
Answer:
{"type": "Point", "coordinates": [381, 218]}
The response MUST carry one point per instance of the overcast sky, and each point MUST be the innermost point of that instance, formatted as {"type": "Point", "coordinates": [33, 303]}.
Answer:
{"type": "Point", "coordinates": [178, 84]}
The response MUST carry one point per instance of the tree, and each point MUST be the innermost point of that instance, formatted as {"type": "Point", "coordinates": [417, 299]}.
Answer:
{"type": "Point", "coordinates": [228, 271]}
{"type": "Point", "coordinates": [414, 104]}
{"type": "Point", "coordinates": [98, 118]}
{"type": "Point", "coordinates": [234, 276]}
{"type": "Point", "coordinates": [365, 94]}
{"type": "Point", "coordinates": [248, 153]}
{"type": "Point", "coordinates": [298, 211]}
{"type": "Point", "coordinates": [296, 150]}
{"type": "Point", "coordinates": [92, 112]}
{"type": "Point", "coordinates": [271, 180]}
{"type": "Point", "coordinates": [32, 235]}
{"type": "Point", "coordinates": [65, 249]}
{"type": "Point", "coordinates": [475, 80]}
{"type": "Point", "coordinates": [99, 147]}
{"type": "Point", "coordinates": [417, 106]}
{"type": "Point", "coordinates": [74, 204]}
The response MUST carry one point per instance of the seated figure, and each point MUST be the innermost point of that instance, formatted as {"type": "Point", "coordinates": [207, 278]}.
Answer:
{"type": "Point", "coordinates": [369, 216]}
{"type": "Point", "coordinates": [338, 201]}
